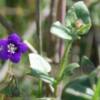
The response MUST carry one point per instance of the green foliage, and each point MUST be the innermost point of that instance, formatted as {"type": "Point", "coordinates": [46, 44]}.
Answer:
{"type": "Point", "coordinates": [40, 68]}
{"type": "Point", "coordinates": [87, 65]}
{"type": "Point", "coordinates": [11, 89]}
{"type": "Point", "coordinates": [83, 87]}
{"type": "Point", "coordinates": [97, 92]}
{"type": "Point", "coordinates": [78, 19]}
{"type": "Point", "coordinates": [59, 30]}
{"type": "Point", "coordinates": [79, 89]}
{"type": "Point", "coordinates": [46, 78]}
{"type": "Point", "coordinates": [78, 23]}
{"type": "Point", "coordinates": [95, 13]}
{"type": "Point", "coordinates": [69, 69]}
{"type": "Point", "coordinates": [86, 61]}
{"type": "Point", "coordinates": [37, 62]}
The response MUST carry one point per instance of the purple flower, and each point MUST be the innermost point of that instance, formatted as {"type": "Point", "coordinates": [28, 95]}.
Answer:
{"type": "Point", "coordinates": [12, 48]}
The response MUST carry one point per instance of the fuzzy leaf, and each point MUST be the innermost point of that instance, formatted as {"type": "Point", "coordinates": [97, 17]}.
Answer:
{"type": "Point", "coordinates": [40, 68]}
{"type": "Point", "coordinates": [44, 77]}
{"type": "Point", "coordinates": [59, 30]}
{"type": "Point", "coordinates": [38, 63]}
{"type": "Point", "coordinates": [78, 18]}
{"type": "Point", "coordinates": [87, 65]}
{"type": "Point", "coordinates": [78, 89]}
{"type": "Point", "coordinates": [70, 69]}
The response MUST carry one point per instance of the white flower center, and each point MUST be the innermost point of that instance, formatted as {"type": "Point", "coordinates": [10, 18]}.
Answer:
{"type": "Point", "coordinates": [11, 48]}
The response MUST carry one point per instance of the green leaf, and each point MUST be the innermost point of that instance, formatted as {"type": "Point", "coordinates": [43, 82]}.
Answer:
{"type": "Point", "coordinates": [40, 68]}
{"type": "Point", "coordinates": [78, 93]}
{"type": "Point", "coordinates": [38, 63]}
{"type": "Point", "coordinates": [44, 77]}
{"type": "Point", "coordinates": [86, 65]}
{"type": "Point", "coordinates": [59, 30]}
{"type": "Point", "coordinates": [78, 89]}
{"type": "Point", "coordinates": [96, 95]}
{"type": "Point", "coordinates": [78, 18]}
{"type": "Point", "coordinates": [11, 91]}
{"type": "Point", "coordinates": [70, 69]}
{"type": "Point", "coordinates": [85, 60]}
{"type": "Point", "coordinates": [95, 72]}
{"type": "Point", "coordinates": [12, 88]}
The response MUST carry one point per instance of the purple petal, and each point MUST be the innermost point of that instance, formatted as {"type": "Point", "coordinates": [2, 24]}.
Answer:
{"type": "Point", "coordinates": [3, 42]}
{"type": "Point", "coordinates": [23, 47]}
{"type": "Point", "coordinates": [15, 58]}
{"type": "Point", "coordinates": [3, 49]}
{"type": "Point", "coordinates": [4, 55]}
{"type": "Point", "coordinates": [14, 38]}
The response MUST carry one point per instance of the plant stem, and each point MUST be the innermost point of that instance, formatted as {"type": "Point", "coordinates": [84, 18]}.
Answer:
{"type": "Point", "coordinates": [40, 88]}
{"type": "Point", "coordinates": [38, 25]}
{"type": "Point", "coordinates": [64, 62]}
{"type": "Point", "coordinates": [65, 59]}
{"type": "Point", "coordinates": [6, 24]}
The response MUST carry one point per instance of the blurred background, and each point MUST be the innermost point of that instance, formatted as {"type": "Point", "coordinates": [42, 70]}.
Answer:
{"type": "Point", "coordinates": [32, 20]}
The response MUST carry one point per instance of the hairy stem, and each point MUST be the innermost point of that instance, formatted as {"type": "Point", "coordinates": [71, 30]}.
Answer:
{"type": "Point", "coordinates": [64, 62]}
{"type": "Point", "coordinates": [65, 59]}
